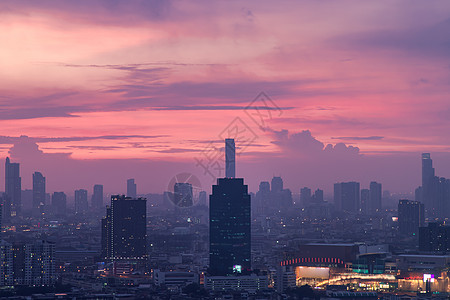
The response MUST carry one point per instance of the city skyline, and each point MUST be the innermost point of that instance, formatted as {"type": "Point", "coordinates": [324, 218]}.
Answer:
{"type": "Point", "coordinates": [363, 111]}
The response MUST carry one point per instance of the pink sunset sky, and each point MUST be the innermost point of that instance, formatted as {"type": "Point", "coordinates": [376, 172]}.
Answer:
{"type": "Point", "coordinates": [100, 91]}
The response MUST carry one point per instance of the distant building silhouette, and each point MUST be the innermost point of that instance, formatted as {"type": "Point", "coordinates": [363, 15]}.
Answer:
{"type": "Point", "coordinates": [435, 191]}
{"type": "Point", "coordinates": [27, 200]}
{"type": "Point", "coordinates": [183, 194]}
{"type": "Point", "coordinates": [124, 229]}
{"type": "Point", "coordinates": [13, 186]}
{"type": "Point", "coordinates": [59, 203]}
{"type": "Point", "coordinates": [318, 196]}
{"type": "Point", "coordinates": [81, 202]}
{"type": "Point", "coordinates": [277, 184]}
{"type": "Point", "coordinates": [375, 197]}
{"type": "Point", "coordinates": [38, 193]}
{"type": "Point", "coordinates": [131, 188]}
{"type": "Point", "coordinates": [230, 158]}
{"type": "Point", "coordinates": [347, 196]}
{"type": "Point", "coordinates": [411, 216]}
{"type": "Point", "coordinates": [427, 180]}
{"type": "Point", "coordinates": [262, 198]}
{"type": "Point", "coordinates": [365, 200]}
{"type": "Point", "coordinates": [305, 196]}
{"type": "Point", "coordinates": [97, 197]}
{"type": "Point", "coordinates": [202, 198]}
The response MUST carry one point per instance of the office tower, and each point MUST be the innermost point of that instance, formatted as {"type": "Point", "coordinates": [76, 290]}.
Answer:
{"type": "Point", "coordinates": [131, 188]}
{"type": "Point", "coordinates": [230, 158]}
{"type": "Point", "coordinates": [59, 203]}
{"type": "Point", "coordinates": [182, 194]}
{"type": "Point", "coordinates": [434, 238]}
{"type": "Point", "coordinates": [365, 200]}
{"type": "Point", "coordinates": [13, 186]}
{"type": "Point", "coordinates": [81, 202]}
{"type": "Point", "coordinates": [346, 196]}
{"type": "Point", "coordinates": [38, 192]}
{"type": "Point", "coordinates": [375, 197]}
{"type": "Point", "coordinates": [318, 196]}
{"type": "Point", "coordinates": [202, 198]}
{"type": "Point", "coordinates": [97, 197]}
{"type": "Point", "coordinates": [411, 216]}
{"type": "Point", "coordinates": [124, 229]}
{"type": "Point", "coordinates": [229, 214]}
{"type": "Point", "coordinates": [277, 184]}
{"type": "Point", "coordinates": [305, 196]}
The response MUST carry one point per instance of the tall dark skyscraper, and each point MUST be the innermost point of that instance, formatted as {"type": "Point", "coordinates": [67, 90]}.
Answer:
{"type": "Point", "coordinates": [375, 197]}
{"type": "Point", "coordinates": [81, 202]}
{"type": "Point", "coordinates": [230, 158]}
{"type": "Point", "coordinates": [13, 186]}
{"type": "Point", "coordinates": [427, 181]}
{"type": "Point", "coordinates": [131, 188]}
{"type": "Point", "coordinates": [229, 212]}
{"type": "Point", "coordinates": [97, 197]}
{"type": "Point", "coordinates": [38, 192]}
{"type": "Point", "coordinates": [347, 196]}
{"type": "Point", "coordinates": [229, 227]}
{"type": "Point", "coordinates": [411, 216]}
{"type": "Point", "coordinates": [183, 194]}
{"type": "Point", "coordinates": [124, 229]}
{"type": "Point", "coordinates": [59, 203]}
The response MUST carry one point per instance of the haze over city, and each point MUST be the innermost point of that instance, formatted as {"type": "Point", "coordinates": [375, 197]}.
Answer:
{"type": "Point", "coordinates": [115, 90]}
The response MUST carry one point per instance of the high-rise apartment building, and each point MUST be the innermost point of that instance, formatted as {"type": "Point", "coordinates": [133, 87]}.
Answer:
{"type": "Point", "coordinates": [124, 229]}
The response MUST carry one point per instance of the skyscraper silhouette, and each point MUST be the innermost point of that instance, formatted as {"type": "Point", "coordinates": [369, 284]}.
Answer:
{"type": "Point", "coordinates": [230, 158]}
{"type": "Point", "coordinates": [97, 197]}
{"type": "Point", "coordinates": [13, 186]}
{"type": "Point", "coordinates": [81, 202]}
{"type": "Point", "coordinates": [305, 196]}
{"type": "Point", "coordinates": [124, 229]}
{"type": "Point", "coordinates": [375, 196]}
{"type": "Point", "coordinates": [59, 203]}
{"type": "Point", "coordinates": [38, 192]}
{"type": "Point", "coordinates": [427, 180]}
{"type": "Point", "coordinates": [230, 234]}
{"type": "Point", "coordinates": [131, 188]}
{"type": "Point", "coordinates": [347, 196]}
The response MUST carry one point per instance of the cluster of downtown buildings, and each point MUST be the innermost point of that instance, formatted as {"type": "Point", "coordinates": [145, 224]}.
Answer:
{"type": "Point", "coordinates": [265, 243]}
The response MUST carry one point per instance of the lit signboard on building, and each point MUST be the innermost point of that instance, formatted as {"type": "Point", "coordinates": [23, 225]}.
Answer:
{"type": "Point", "coordinates": [237, 269]}
{"type": "Point", "coordinates": [428, 277]}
